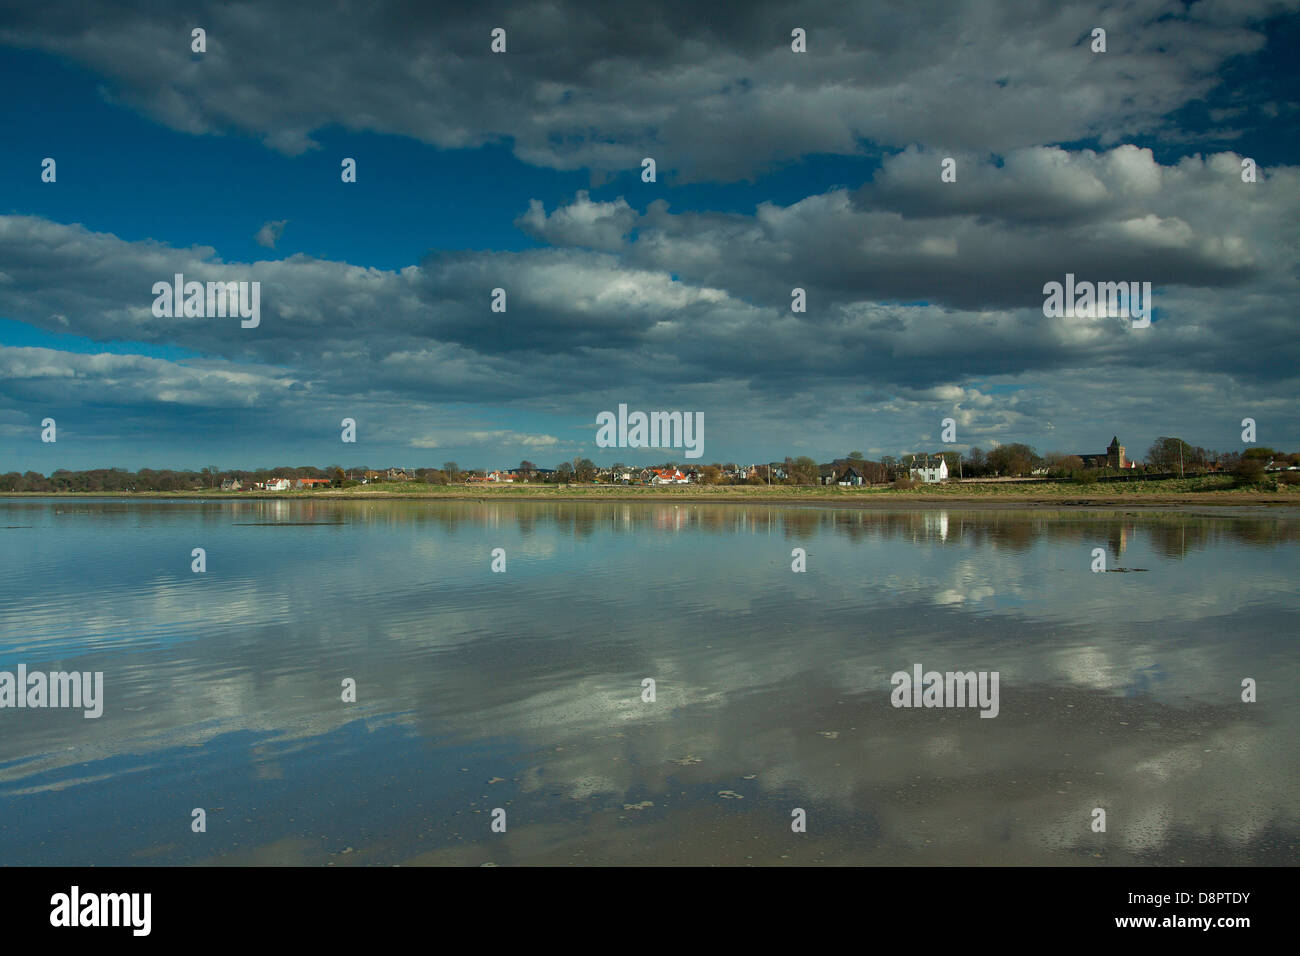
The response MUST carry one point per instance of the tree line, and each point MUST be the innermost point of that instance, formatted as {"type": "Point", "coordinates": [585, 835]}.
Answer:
{"type": "Point", "coordinates": [1165, 456]}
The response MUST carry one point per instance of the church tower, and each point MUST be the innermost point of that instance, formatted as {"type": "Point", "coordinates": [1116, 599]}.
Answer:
{"type": "Point", "coordinates": [1115, 454]}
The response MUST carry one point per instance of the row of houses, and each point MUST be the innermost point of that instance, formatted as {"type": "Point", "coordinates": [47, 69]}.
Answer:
{"type": "Point", "coordinates": [930, 469]}
{"type": "Point", "coordinates": [846, 473]}
{"type": "Point", "coordinates": [508, 476]}
{"type": "Point", "coordinates": [493, 477]}
{"type": "Point", "coordinates": [285, 484]}
{"type": "Point", "coordinates": [676, 476]}
{"type": "Point", "coordinates": [274, 484]}
{"type": "Point", "coordinates": [667, 476]}
{"type": "Point", "coordinates": [624, 476]}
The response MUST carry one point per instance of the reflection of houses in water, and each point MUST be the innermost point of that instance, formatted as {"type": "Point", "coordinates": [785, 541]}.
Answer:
{"type": "Point", "coordinates": [936, 522]}
{"type": "Point", "coordinates": [671, 519]}
{"type": "Point", "coordinates": [1119, 535]}
{"type": "Point", "coordinates": [918, 525]}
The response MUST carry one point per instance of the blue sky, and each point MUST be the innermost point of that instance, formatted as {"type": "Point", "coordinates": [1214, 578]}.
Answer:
{"type": "Point", "coordinates": [775, 170]}
{"type": "Point", "coordinates": [122, 173]}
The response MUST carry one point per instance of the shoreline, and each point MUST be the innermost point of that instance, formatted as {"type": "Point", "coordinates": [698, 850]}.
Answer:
{"type": "Point", "coordinates": [905, 500]}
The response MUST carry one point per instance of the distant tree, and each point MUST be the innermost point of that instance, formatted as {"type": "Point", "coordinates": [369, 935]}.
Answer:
{"type": "Point", "coordinates": [35, 481]}
{"type": "Point", "coordinates": [1168, 454]}
{"type": "Point", "coordinates": [1015, 459]}
{"type": "Point", "coordinates": [873, 472]}
{"type": "Point", "coordinates": [1249, 471]}
{"type": "Point", "coordinates": [803, 470]}
{"type": "Point", "coordinates": [1062, 466]}
{"type": "Point", "coordinates": [855, 456]}
{"type": "Point", "coordinates": [452, 469]}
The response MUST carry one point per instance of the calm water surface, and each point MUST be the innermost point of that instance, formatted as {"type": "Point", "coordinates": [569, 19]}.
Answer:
{"type": "Point", "coordinates": [523, 690]}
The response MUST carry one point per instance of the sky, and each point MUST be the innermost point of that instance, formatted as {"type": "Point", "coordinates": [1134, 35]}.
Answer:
{"type": "Point", "coordinates": [523, 170]}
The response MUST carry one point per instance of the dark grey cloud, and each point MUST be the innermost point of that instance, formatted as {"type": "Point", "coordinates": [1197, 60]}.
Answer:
{"type": "Point", "coordinates": [711, 91]}
{"type": "Point", "coordinates": [908, 284]}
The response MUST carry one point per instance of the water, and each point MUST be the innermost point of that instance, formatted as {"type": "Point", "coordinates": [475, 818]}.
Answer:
{"type": "Point", "coordinates": [522, 690]}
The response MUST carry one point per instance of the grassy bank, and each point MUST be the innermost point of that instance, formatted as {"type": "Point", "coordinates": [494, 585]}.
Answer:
{"type": "Point", "coordinates": [1214, 489]}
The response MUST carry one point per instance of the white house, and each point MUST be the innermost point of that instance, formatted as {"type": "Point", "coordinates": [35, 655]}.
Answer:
{"type": "Point", "coordinates": [278, 484]}
{"type": "Point", "coordinates": [667, 476]}
{"type": "Point", "coordinates": [930, 470]}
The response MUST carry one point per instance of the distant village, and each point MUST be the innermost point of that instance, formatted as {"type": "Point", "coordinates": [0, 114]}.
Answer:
{"type": "Point", "coordinates": [1166, 458]}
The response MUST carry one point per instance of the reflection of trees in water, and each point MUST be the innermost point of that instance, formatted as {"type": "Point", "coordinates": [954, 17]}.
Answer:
{"type": "Point", "coordinates": [1175, 536]}
{"type": "Point", "coordinates": [1172, 535]}
{"type": "Point", "coordinates": [804, 525]}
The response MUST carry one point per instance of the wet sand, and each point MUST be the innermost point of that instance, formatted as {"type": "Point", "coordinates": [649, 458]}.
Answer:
{"type": "Point", "coordinates": [879, 787]}
{"type": "Point", "coordinates": [523, 690]}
